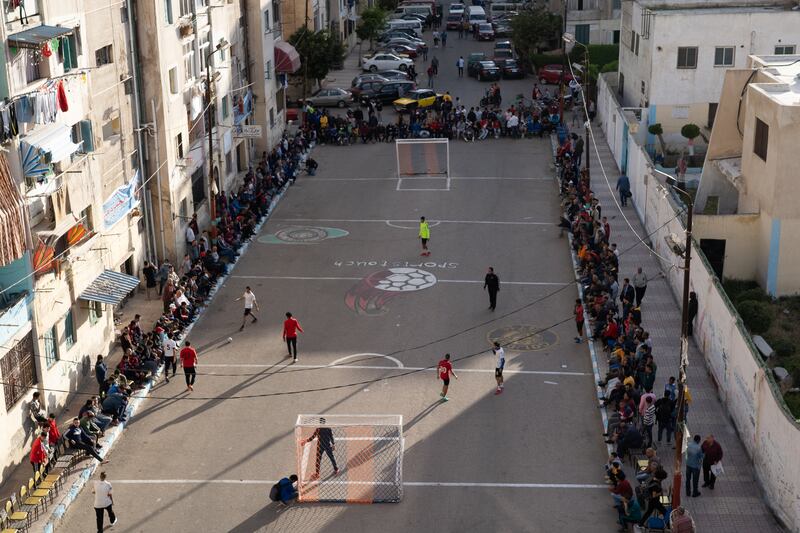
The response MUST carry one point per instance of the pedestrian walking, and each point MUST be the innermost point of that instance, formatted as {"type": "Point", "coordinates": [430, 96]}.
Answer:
{"type": "Point", "coordinates": [424, 235]}
{"type": "Point", "coordinates": [491, 283]}
{"type": "Point", "coordinates": [443, 35]}
{"type": "Point", "coordinates": [498, 368]}
{"type": "Point", "coordinates": [290, 328]}
{"type": "Point", "coordinates": [250, 303]}
{"type": "Point", "coordinates": [639, 285]}
{"type": "Point", "coordinates": [325, 444]}
{"type": "Point", "coordinates": [444, 370]}
{"type": "Point", "coordinates": [692, 313]}
{"type": "Point", "coordinates": [712, 461]}
{"type": "Point", "coordinates": [169, 347]}
{"type": "Point", "coordinates": [577, 151]}
{"type": "Point", "coordinates": [100, 372]}
{"type": "Point", "coordinates": [460, 66]}
{"type": "Point", "coordinates": [435, 65]}
{"type": "Point", "coordinates": [425, 53]}
{"type": "Point", "coordinates": [435, 39]}
{"type": "Point", "coordinates": [694, 460]}
{"type": "Point", "coordinates": [430, 76]}
{"type": "Point", "coordinates": [150, 272]}
{"type": "Point", "coordinates": [579, 320]}
{"type": "Point", "coordinates": [461, 31]}
{"type": "Point", "coordinates": [624, 188]}
{"type": "Point", "coordinates": [103, 502]}
{"type": "Point", "coordinates": [188, 357]}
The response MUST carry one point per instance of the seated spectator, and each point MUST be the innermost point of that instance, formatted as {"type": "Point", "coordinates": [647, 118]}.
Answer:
{"type": "Point", "coordinates": [78, 439]}
{"type": "Point", "coordinates": [114, 405]}
{"type": "Point", "coordinates": [630, 439]}
{"type": "Point", "coordinates": [630, 512]}
{"type": "Point", "coordinates": [91, 429]}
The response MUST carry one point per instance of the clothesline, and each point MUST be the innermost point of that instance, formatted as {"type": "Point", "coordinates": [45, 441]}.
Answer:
{"type": "Point", "coordinates": [8, 101]}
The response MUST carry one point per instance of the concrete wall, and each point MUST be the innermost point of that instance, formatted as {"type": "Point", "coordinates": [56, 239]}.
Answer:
{"type": "Point", "coordinates": [601, 17]}
{"type": "Point", "coordinates": [751, 397]}
{"type": "Point", "coordinates": [741, 233]}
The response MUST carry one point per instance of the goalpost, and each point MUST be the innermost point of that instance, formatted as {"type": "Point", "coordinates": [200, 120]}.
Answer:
{"type": "Point", "coordinates": [367, 451]}
{"type": "Point", "coordinates": [423, 158]}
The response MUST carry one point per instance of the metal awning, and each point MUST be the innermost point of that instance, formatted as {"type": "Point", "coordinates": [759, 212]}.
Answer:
{"type": "Point", "coordinates": [35, 37]}
{"type": "Point", "coordinates": [287, 59]}
{"type": "Point", "coordinates": [50, 143]}
{"type": "Point", "coordinates": [110, 287]}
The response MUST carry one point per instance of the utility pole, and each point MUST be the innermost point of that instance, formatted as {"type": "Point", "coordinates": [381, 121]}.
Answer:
{"type": "Point", "coordinates": [211, 114]}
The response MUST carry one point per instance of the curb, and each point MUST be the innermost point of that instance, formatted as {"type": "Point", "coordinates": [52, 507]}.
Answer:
{"type": "Point", "coordinates": [57, 515]}
{"type": "Point", "coordinates": [589, 343]}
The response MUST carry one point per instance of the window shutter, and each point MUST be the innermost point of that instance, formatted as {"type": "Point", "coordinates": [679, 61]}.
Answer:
{"type": "Point", "coordinates": [87, 136]}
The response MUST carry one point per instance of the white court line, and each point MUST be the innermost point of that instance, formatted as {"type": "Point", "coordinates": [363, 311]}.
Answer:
{"type": "Point", "coordinates": [398, 362]}
{"type": "Point", "coordinates": [344, 278]}
{"type": "Point", "coordinates": [385, 221]}
{"type": "Point", "coordinates": [462, 178]}
{"type": "Point", "coordinates": [342, 482]}
{"type": "Point", "coordinates": [405, 368]}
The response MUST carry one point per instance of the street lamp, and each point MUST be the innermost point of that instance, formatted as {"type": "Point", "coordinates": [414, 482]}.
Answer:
{"type": "Point", "coordinates": [211, 110]}
{"type": "Point", "coordinates": [569, 38]}
{"type": "Point", "coordinates": [679, 429]}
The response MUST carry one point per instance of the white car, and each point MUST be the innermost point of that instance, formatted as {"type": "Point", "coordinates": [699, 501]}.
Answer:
{"type": "Point", "coordinates": [456, 9]}
{"type": "Point", "coordinates": [382, 61]}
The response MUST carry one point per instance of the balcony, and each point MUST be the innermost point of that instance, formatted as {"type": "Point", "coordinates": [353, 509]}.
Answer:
{"type": "Point", "coordinates": [28, 13]}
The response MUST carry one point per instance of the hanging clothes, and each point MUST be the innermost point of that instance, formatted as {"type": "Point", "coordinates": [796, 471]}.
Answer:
{"type": "Point", "coordinates": [24, 109]}
{"type": "Point", "coordinates": [63, 105]}
{"type": "Point", "coordinates": [46, 51]}
{"type": "Point", "coordinates": [66, 52]}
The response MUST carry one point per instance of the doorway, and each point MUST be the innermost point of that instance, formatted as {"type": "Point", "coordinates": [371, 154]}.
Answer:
{"type": "Point", "coordinates": [714, 250]}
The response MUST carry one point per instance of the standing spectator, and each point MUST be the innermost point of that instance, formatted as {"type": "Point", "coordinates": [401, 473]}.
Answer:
{"type": "Point", "coordinates": [579, 320]}
{"type": "Point", "coordinates": [712, 455]}
{"type": "Point", "coordinates": [492, 283]}
{"type": "Point", "coordinates": [665, 416]}
{"type": "Point", "coordinates": [627, 294]}
{"type": "Point", "coordinates": [163, 276]}
{"type": "Point", "coordinates": [639, 285]}
{"type": "Point", "coordinates": [435, 39]}
{"type": "Point", "coordinates": [424, 235]}
{"type": "Point", "coordinates": [444, 370]}
{"type": "Point", "coordinates": [680, 170]}
{"type": "Point", "coordinates": [443, 35]}
{"type": "Point", "coordinates": [430, 76]}
{"type": "Point", "coordinates": [694, 460]}
{"type": "Point", "coordinates": [692, 313]}
{"type": "Point", "coordinates": [103, 501]}
{"type": "Point", "coordinates": [435, 65]}
{"type": "Point", "coordinates": [250, 303]}
{"type": "Point", "coordinates": [648, 420]}
{"type": "Point", "coordinates": [500, 353]}
{"type": "Point", "coordinates": [100, 372]}
{"type": "Point", "coordinates": [624, 188]}
{"type": "Point", "coordinates": [577, 152]}
{"type": "Point", "coordinates": [38, 455]}
{"type": "Point", "coordinates": [290, 328]}
{"type": "Point", "coordinates": [53, 434]}
{"type": "Point", "coordinates": [169, 347]}
{"type": "Point", "coordinates": [188, 357]}
{"type": "Point", "coordinates": [460, 63]}
{"type": "Point", "coordinates": [36, 411]}
{"type": "Point", "coordinates": [149, 272]}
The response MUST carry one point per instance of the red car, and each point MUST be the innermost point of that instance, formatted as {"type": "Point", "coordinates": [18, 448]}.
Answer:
{"type": "Point", "coordinates": [552, 74]}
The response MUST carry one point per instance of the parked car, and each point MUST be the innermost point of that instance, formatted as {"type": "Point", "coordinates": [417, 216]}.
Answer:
{"type": "Point", "coordinates": [453, 21]}
{"type": "Point", "coordinates": [503, 45]}
{"type": "Point", "coordinates": [361, 78]}
{"type": "Point", "coordinates": [502, 29]}
{"type": "Point", "coordinates": [382, 61]}
{"type": "Point", "coordinates": [501, 56]}
{"type": "Point", "coordinates": [473, 62]}
{"type": "Point", "coordinates": [488, 70]}
{"type": "Point", "coordinates": [398, 33]}
{"type": "Point", "coordinates": [457, 9]}
{"type": "Point", "coordinates": [511, 69]}
{"type": "Point", "coordinates": [367, 87]}
{"type": "Point", "coordinates": [388, 92]}
{"type": "Point", "coordinates": [330, 97]}
{"type": "Point", "coordinates": [397, 75]}
{"type": "Point", "coordinates": [417, 99]}
{"type": "Point", "coordinates": [485, 32]}
{"type": "Point", "coordinates": [400, 50]}
{"type": "Point", "coordinates": [552, 74]}
{"type": "Point", "coordinates": [418, 45]}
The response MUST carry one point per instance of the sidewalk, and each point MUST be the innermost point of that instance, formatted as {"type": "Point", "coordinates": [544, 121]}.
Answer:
{"type": "Point", "coordinates": [736, 504]}
{"type": "Point", "coordinates": [149, 311]}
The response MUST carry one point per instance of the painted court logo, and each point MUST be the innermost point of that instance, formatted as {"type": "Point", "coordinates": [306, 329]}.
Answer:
{"type": "Point", "coordinates": [370, 295]}
{"type": "Point", "coordinates": [302, 235]}
{"type": "Point", "coordinates": [523, 338]}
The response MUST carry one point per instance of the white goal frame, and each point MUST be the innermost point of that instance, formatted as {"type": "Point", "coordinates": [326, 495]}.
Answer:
{"type": "Point", "coordinates": [423, 175]}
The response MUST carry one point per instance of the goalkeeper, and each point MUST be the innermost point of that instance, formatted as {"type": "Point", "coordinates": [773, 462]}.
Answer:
{"type": "Point", "coordinates": [326, 444]}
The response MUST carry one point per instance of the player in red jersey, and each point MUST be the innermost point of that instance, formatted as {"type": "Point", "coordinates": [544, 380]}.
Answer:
{"type": "Point", "coordinates": [444, 370]}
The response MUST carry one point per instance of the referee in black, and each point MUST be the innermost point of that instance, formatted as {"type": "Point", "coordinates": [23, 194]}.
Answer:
{"type": "Point", "coordinates": [492, 284]}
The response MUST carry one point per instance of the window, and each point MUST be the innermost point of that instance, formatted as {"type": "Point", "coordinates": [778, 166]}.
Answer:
{"type": "Point", "coordinates": [635, 42]}
{"type": "Point", "coordinates": [268, 70]}
{"type": "Point", "coordinates": [205, 47]}
{"type": "Point", "coordinates": [69, 330]}
{"type": "Point", "coordinates": [103, 56]}
{"type": "Point", "coordinates": [271, 117]}
{"type": "Point", "coordinates": [761, 139]}
{"type": "Point", "coordinates": [112, 128]}
{"type": "Point", "coordinates": [18, 371]}
{"type": "Point", "coordinates": [687, 57]}
{"type": "Point", "coordinates": [644, 86]}
{"type": "Point", "coordinates": [179, 145]}
{"type": "Point", "coordinates": [616, 4]}
{"type": "Point", "coordinates": [168, 11]}
{"type": "Point", "coordinates": [50, 347]}
{"type": "Point", "coordinates": [615, 39]}
{"type": "Point", "coordinates": [225, 106]}
{"type": "Point", "coordinates": [579, 5]}
{"type": "Point", "coordinates": [198, 187]}
{"type": "Point", "coordinates": [267, 21]}
{"type": "Point", "coordinates": [276, 17]}
{"type": "Point", "coordinates": [228, 163]}
{"type": "Point", "coordinates": [723, 56]}
{"type": "Point", "coordinates": [82, 135]}
{"type": "Point", "coordinates": [582, 33]}
{"type": "Point", "coordinates": [201, 4]}
{"type": "Point", "coordinates": [173, 80]}
{"type": "Point", "coordinates": [784, 49]}
{"type": "Point", "coordinates": [189, 65]}
{"type": "Point", "coordinates": [95, 312]}
{"type": "Point", "coordinates": [85, 218]}
{"type": "Point", "coordinates": [185, 7]}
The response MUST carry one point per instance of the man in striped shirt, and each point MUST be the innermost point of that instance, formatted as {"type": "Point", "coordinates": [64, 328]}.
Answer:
{"type": "Point", "coordinates": [648, 420]}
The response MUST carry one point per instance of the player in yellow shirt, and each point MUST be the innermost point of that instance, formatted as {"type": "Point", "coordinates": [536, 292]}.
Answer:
{"type": "Point", "coordinates": [424, 235]}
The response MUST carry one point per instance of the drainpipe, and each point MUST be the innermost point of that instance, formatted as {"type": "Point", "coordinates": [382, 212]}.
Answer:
{"type": "Point", "coordinates": [137, 127]}
{"type": "Point", "coordinates": [158, 181]}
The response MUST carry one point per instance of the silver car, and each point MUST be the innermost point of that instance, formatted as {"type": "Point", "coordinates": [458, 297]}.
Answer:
{"type": "Point", "coordinates": [330, 97]}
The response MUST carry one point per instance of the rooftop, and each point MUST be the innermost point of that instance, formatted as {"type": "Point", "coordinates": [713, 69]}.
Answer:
{"type": "Point", "coordinates": [711, 5]}
{"type": "Point", "coordinates": [785, 71]}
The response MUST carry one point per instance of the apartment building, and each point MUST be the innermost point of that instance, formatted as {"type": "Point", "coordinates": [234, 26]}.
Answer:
{"type": "Point", "coordinates": [674, 54]}
{"type": "Point", "coordinates": [748, 219]}
{"type": "Point", "coordinates": [69, 189]}
{"type": "Point", "coordinates": [594, 21]}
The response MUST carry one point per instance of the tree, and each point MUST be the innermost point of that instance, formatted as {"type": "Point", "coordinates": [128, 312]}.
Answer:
{"type": "Point", "coordinates": [690, 131]}
{"type": "Point", "coordinates": [533, 28]}
{"type": "Point", "coordinates": [373, 19]}
{"type": "Point", "coordinates": [658, 131]}
{"type": "Point", "coordinates": [319, 51]}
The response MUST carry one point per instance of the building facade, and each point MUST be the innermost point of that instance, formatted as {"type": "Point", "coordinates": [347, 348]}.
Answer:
{"type": "Point", "coordinates": [73, 170]}
{"type": "Point", "coordinates": [748, 221]}
{"type": "Point", "coordinates": [669, 64]}
{"type": "Point", "coordinates": [594, 21]}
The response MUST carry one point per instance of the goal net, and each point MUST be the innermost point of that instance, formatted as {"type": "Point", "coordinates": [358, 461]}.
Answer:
{"type": "Point", "coordinates": [349, 458]}
{"type": "Point", "coordinates": [423, 158]}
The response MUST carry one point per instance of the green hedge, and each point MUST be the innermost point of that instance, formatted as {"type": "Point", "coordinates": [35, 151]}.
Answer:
{"type": "Point", "coordinates": [757, 316]}
{"type": "Point", "coordinates": [599, 54]}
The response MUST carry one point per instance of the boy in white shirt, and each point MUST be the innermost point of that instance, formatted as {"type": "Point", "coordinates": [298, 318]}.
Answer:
{"type": "Point", "coordinates": [103, 501]}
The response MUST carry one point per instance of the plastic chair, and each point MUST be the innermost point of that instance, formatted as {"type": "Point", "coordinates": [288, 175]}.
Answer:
{"type": "Point", "coordinates": [659, 523]}
{"type": "Point", "coordinates": [15, 514]}
{"type": "Point", "coordinates": [6, 525]}
{"type": "Point", "coordinates": [46, 491]}
{"type": "Point", "coordinates": [30, 502]}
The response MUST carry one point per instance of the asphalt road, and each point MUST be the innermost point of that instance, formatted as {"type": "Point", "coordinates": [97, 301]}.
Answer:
{"type": "Point", "coordinates": [527, 460]}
